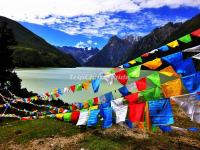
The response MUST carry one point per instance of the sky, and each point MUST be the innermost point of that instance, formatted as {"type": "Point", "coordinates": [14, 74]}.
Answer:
{"type": "Point", "coordinates": [90, 23]}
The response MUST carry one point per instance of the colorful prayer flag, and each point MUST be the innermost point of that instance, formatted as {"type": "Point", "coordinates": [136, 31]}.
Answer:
{"type": "Point", "coordinates": [95, 85]}
{"type": "Point", "coordinates": [169, 71]}
{"type": "Point", "coordinates": [185, 39]}
{"type": "Point", "coordinates": [164, 48]}
{"type": "Point", "coordinates": [173, 44]}
{"type": "Point", "coordinates": [196, 33]}
{"type": "Point", "coordinates": [122, 76]}
{"type": "Point", "coordinates": [154, 78]}
{"type": "Point", "coordinates": [134, 72]}
{"type": "Point", "coordinates": [154, 64]}
{"type": "Point", "coordinates": [93, 117]}
{"type": "Point", "coordinates": [141, 84]}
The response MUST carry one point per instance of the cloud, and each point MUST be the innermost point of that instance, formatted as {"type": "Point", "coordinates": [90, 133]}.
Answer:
{"type": "Point", "coordinates": [89, 44]}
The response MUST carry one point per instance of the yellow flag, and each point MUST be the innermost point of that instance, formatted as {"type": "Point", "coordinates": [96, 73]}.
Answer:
{"type": "Point", "coordinates": [172, 88]}
{"type": "Point", "coordinates": [59, 116]}
{"type": "Point", "coordinates": [154, 64]}
{"type": "Point", "coordinates": [132, 62]}
{"type": "Point", "coordinates": [1, 106]}
{"type": "Point", "coordinates": [169, 71]}
{"type": "Point", "coordinates": [93, 107]}
{"type": "Point", "coordinates": [86, 85]}
{"type": "Point", "coordinates": [173, 44]}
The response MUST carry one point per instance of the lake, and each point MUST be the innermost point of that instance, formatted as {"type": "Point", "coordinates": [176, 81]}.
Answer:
{"type": "Point", "coordinates": [41, 80]}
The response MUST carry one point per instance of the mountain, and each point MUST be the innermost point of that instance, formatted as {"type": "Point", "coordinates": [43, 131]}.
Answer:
{"type": "Point", "coordinates": [116, 53]}
{"type": "Point", "coordinates": [33, 51]}
{"type": "Point", "coordinates": [112, 53]}
{"type": "Point", "coordinates": [80, 54]}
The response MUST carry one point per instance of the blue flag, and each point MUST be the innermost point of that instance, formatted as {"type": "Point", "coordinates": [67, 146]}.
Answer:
{"type": "Point", "coordinates": [173, 58]}
{"type": "Point", "coordinates": [165, 128]}
{"type": "Point", "coordinates": [185, 67]}
{"type": "Point", "coordinates": [164, 48]}
{"type": "Point", "coordinates": [124, 91]}
{"type": "Point", "coordinates": [126, 65]}
{"type": "Point", "coordinates": [192, 82]}
{"type": "Point", "coordinates": [161, 112]}
{"type": "Point", "coordinates": [93, 118]}
{"type": "Point", "coordinates": [109, 96]}
{"type": "Point", "coordinates": [96, 84]}
{"type": "Point", "coordinates": [107, 117]}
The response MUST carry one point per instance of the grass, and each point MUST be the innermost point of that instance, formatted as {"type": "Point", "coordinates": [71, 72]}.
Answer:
{"type": "Point", "coordinates": [64, 135]}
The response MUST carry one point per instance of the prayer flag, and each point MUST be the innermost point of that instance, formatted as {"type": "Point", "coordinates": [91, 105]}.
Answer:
{"type": "Point", "coordinates": [86, 85]}
{"type": "Point", "coordinates": [154, 64]}
{"type": "Point", "coordinates": [132, 62]}
{"type": "Point", "coordinates": [161, 112]}
{"type": "Point", "coordinates": [138, 59]}
{"type": "Point", "coordinates": [154, 78]}
{"type": "Point", "coordinates": [109, 78]}
{"type": "Point", "coordinates": [124, 91]}
{"type": "Point", "coordinates": [83, 117]}
{"type": "Point", "coordinates": [151, 94]}
{"type": "Point", "coordinates": [93, 117]}
{"type": "Point", "coordinates": [121, 112]}
{"type": "Point", "coordinates": [78, 87]}
{"type": "Point", "coordinates": [126, 65]}
{"type": "Point", "coordinates": [173, 44]}
{"type": "Point", "coordinates": [73, 87]}
{"type": "Point", "coordinates": [136, 112]}
{"type": "Point", "coordinates": [141, 84]}
{"type": "Point", "coordinates": [132, 98]}
{"type": "Point", "coordinates": [172, 88]}
{"type": "Point", "coordinates": [90, 102]}
{"type": "Point", "coordinates": [164, 48]}
{"type": "Point", "coordinates": [107, 117]}
{"type": "Point", "coordinates": [185, 39]}
{"type": "Point", "coordinates": [192, 82]}
{"type": "Point", "coordinates": [95, 101]}
{"type": "Point", "coordinates": [173, 58]}
{"type": "Point", "coordinates": [134, 72]}
{"type": "Point", "coordinates": [196, 33]}
{"type": "Point", "coordinates": [96, 84]}
{"type": "Point", "coordinates": [75, 116]}
{"type": "Point", "coordinates": [67, 116]}
{"type": "Point", "coordinates": [122, 76]}
{"type": "Point", "coordinates": [169, 71]}
{"type": "Point", "coordinates": [131, 87]}
{"type": "Point", "coordinates": [59, 116]}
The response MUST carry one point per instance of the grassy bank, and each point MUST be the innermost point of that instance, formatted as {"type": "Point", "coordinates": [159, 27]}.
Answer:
{"type": "Point", "coordinates": [54, 134]}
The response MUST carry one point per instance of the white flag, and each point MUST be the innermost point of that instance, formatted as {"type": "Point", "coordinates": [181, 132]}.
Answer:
{"type": "Point", "coordinates": [109, 78]}
{"type": "Point", "coordinates": [83, 117]}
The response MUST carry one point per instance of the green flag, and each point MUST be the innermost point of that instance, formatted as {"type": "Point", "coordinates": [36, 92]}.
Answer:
{"type": "Point", "coordinates": [151, 94]}
{"type": "Point", "coordinates": [67, 116]}
{"type": "Point", "coordinates": [134, 72]}
{"type": "Point", "coordinates": [112, 70]}
{"type": "Point", "coordinates": [138, 59]}
{"type": "Point", "coordinates": [185, 39]}
{"type": "Point", "coordinates": [90, 102]}
{"type": "Point", "coordinates": [78, 87]}
{"type": "Point", "coordinates": [154, 78]}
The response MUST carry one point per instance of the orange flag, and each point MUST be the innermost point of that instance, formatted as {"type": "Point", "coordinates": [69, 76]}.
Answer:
{"type": "Point", "coordinates": [169, 71]}
{"type": "Point", "coordinates": [154, 64]}
{"type": "Point", "coordinates": [173, 44]}
{"type": "Point", "coordinates": [172, 88]}
{"type": "Point", "coordinates": [86, 85]}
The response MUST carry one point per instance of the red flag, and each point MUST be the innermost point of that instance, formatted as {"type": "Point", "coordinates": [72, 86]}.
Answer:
{"type": "Point", "coordinates": [132, 98]}
{"type": "Point", "coordinates": [122, 76]}
{"type": "Point", "coordinates": [196, 33]}
{"type": "Point", "coordinates": [74, 107]}
{"type": "Point", "coordinates": [73, 87]}
{"type": "Point", "coordinates": [145, 55]}
{"type": "Point", "coordinates": [95, 101]}
{"type": "Point", "coordinates": [136, 112]}
{"type": "Point", "coordinates": [75, 116]}
{"type": "Point", "coordinates": [141, 84]}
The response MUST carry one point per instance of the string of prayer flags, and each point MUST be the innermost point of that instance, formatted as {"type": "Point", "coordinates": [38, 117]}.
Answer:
{"type": "Point", "coordinates": [134, 72]}
{"type": "Point", "coordinates": [138, 59]}
{"type": "Point", "coordinates": [86, 85]}
{"type": "Point", "coordinates": [67, 116]}
{"type": "Point", "coordinates": [173, 58]}
{"type": "Point", "coordinates": [154, 78]}
{"type": "Point", "coordinates": [141, 84]}
{"type": "Point", "coordinates": [190, 105]}
{"type": "Point", "coordinates": [186, 67]}
{"type": "Point", "coordinates": [154, 64]}
{"type": "Point", "coordinates": [196, 33]}
{"type": "Point", "coordinates": [169, 71]}
{"type": "Point", "coordinates": [192, 82]}
{"type": "Point", "coordinates": [78, 87]}
{"type": "Point", "coordinates": [136, 112]}
{"type": "Point", "coordinates": [107, 117]}
{"type": "Point", "coordinates": [151, 94]}
{"type": "Point", "coordinates": [93, 117]}
{"type": "Point", "coordinates": [96, 84]}
{"type": "Point", "coordinates": [172, 88]}
{"type": "Point", "coordinates": [161, 112]}
{"type": "Point", "coordinates": [132, 98]}
{"type": "Point", "coordinates": [123, 90]}
{"type": "Point", "coordinates": [122, 76]}
{"type": "Point", "coordinates": [72, 88]}
{"type": "Point", "coordinates": [173, 44]}
{"type": "Point", "coordinates": [75, 116]}
{"type": "Point", "coordinates": [109, 78]}
{"type": "Point", "coordinates": [83, 117]}
{"type": "Point", "coordinates": [185, 39]}
{"type": "Point", "coordinates": [164, 48]}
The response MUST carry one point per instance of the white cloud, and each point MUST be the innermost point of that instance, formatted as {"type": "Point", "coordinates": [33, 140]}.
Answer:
{"type": "Point", "coordinates": [89, 44]}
